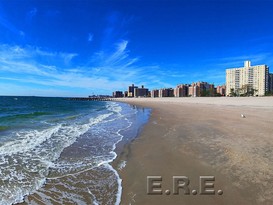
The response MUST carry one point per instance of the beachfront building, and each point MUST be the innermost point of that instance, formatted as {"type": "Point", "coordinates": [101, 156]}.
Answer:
{"type": "Point", "coordinates": [201, 89]}
{"type": "Point", "coordinates": [117, 94]}
{"type": "Point", "coordinates": [221, 90]}
{"type": "Point", "coordinates": [181, 90]}
{"type": "Point", "coordinates": [247, 80]}
{"type": "Point", "coordinates": [270, 82]}
{"type": "Point", "coordinates": [206, 89]}
{"type": "Point", "coordinates": [125, 94]}
{"type": "Point", "coordinates": [165, 92]}
{"type": "Point", "coordinates": [193, 90]}
{"type": "Point", "coordinates": [155, 93]}
{"type": "Point", "coordinates": [131, 90]}
{"type": "Point", "coordinates": [141, 92]}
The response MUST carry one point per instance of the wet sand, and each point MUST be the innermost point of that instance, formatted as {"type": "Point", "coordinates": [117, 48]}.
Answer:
{"type": "Point", "coordinates": [89, 183]}
{"type": "Point", "coordinates": [196, 137]}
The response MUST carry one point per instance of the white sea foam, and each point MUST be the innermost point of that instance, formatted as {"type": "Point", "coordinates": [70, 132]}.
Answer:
{"type": "Point", "coordinates": [119, 181]}
{"type": "Point", "coordinates": [122, 165]}
{"type": "Point", "coordinates": [27, 141]}
{"type": "Point", "coordinates": [36, 150]}
{"type": "Point", "coordinates": [31, 139]}
{"type": "Point", "coordinates": [107, 163]}
{"type": "Point", "coordinates": [114, 107]}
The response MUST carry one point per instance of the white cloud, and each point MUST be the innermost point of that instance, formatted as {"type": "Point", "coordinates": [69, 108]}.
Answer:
{"type": "Point", "coordinates": [238, 61]}
{"type": "Point", "coordinates": [29, 55]}
{"type": "Point", "coordinates": [119, 55]}
{"type": "Point", "coordinates": [4, 22]}
{"type": "Point", "coordinates": [19, 65]}
{"type": "Point", "coordinates": [107, 72]}
{"type": "Point", "coordinates": [22, 33]}
{"type": "Point", "coordinates": [90, 37]}
{"type": "Point", "coordinates": [32, 13]}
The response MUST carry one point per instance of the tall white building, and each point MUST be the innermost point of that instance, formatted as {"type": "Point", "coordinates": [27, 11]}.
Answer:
{"type": "Point", "coordinates": [254, 78]}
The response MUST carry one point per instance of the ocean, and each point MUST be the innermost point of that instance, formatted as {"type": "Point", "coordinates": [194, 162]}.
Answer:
{"type": "Point", "coordinates": [57, 151]}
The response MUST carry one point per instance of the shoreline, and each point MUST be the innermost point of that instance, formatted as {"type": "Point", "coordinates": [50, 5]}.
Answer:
{"type": "Point", "coordinates": [166, 148]}
{"type": "Point", "coordinates": [99, 183]}
{"type": "Point", "coordinates": [122, 149]}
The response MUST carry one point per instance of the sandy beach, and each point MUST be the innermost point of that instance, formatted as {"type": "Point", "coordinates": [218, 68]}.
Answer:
{"type": "Point", "coordinates": [195, 137]}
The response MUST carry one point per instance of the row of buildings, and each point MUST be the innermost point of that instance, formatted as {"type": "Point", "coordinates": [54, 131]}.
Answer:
{"type": "Point", "coordinates": [184, 90]}
{"type": "Point", "coordinates": [133, 91]}
{"type": "Point", "coordinates": [198, 89]}
{"type": "Point", "coordinates": [244, 81]}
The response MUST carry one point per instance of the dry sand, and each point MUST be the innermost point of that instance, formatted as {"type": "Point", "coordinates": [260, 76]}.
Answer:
{"type": "Point", "coordinates": [196, 137]}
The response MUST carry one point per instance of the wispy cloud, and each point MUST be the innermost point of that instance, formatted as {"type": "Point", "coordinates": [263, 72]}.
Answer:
{"type": "Point", "coordinates": [31, 14]}
{"type": "Point", "coordinates": [8, 25]}
{"type": "Point", "coordinates": [215, 68]}
{"type": "Point", "coordinates": [90, 37]}
{"type": "Point", "coordinates": [120, 57]}
{"type": "Point", "coordinates": [115, 70]}
{"type": "Point", "coordinates": [33, 56]}
{"type": "Point", "coordinates": [105, 71]}
{"type": "Point", "coordinates": [237, 61]}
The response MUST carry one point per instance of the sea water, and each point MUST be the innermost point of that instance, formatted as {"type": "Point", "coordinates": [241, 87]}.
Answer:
{"type": "Point", "coordinates": [60, 151]}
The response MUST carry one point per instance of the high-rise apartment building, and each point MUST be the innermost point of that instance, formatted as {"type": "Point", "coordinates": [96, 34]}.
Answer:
{"type": "Point", "coordinates": [131, 90]}
{"type": "Point", "coordinates": [141, 92]}
{"type": "Point", "coordinates": [117, 94]}
{"type": "Point", "coordinates": [155, 93]}
{"type": "Point", "coordinates": [247, 79]}
{"type": "Point", "coordinates": [181, 90]}
{"type": "Point", "coordinates": [201, 89]}
{"type": "Point", "coordinates": [221, 89]}
{"type": "Point", "coordinates": [270, 82]}
{"type": "Point", "coordinates": [165, 92]}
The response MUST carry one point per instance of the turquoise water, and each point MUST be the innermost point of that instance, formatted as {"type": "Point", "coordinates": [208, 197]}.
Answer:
{"type": "Point", "coordinates": [44, 140]}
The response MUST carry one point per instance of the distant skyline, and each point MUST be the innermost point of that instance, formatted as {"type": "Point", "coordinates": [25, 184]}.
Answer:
{"type": "Point", "coordinates": [80, 48]}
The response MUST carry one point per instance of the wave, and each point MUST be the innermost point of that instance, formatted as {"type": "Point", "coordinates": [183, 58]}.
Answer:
{"type": "Point", "coordinates": [103, 159]}
{"type": "Point", "coordinates": [41, 155]}
{"type": "Point", "coordinates": [31, 155]}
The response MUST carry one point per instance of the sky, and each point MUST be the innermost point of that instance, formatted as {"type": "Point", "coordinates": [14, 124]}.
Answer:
{"type": "Point", "coordinates": [86, 47]}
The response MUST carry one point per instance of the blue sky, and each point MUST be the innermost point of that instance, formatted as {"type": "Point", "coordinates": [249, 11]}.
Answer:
{"type": "Point", "coordinates": [84, 47]}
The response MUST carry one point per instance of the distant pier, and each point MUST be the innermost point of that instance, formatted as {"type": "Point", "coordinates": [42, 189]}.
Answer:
{"type": "Point", "coordinates": [91, 99]}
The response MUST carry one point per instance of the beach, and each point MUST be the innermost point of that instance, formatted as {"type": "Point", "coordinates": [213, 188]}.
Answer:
{"type": "Point", "coordinates": [206, 150]}
{"type": "Point", "coordinates": [196, 137]}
